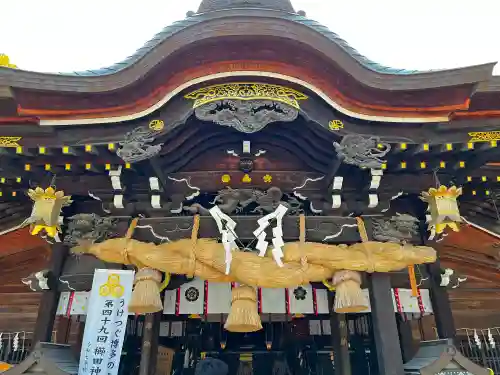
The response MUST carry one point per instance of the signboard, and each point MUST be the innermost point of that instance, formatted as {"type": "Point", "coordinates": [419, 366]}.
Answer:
{"type": "Point", "coordinates": [106, 322]}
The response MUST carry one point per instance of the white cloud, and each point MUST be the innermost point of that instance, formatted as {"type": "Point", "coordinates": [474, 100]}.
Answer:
{"type": "Point", "coordinates": [58, 35]}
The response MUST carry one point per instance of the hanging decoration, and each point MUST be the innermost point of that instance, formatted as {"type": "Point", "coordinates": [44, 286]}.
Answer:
{"type": "Point", "coordinates": [244, 315]}
{"type": "Point", "coordinates": [47, 208]}
{"type": "Point", "coordinates": [477, 340]}
{"type": "Point", "coordinates": [443, 208]}
{"type": "Point", "coordinates": [303, 263]}
{"type": "Point", "coordinates": [15, 342]}
{"type": "Point", "coordinates": [274, 218]}
{"type": "Point", "coordinates": [5, 62]}
{"type": "Point", "coordinates": [491, 339]}
{"type": "Point", "coordinates": [226, 227]}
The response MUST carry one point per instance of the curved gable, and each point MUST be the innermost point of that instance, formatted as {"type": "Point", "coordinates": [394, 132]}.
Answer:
{"type": "Point", "coordinates": [259, 23]}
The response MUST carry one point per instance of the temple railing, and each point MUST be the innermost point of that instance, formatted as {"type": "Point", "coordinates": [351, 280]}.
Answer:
{"type": "Point", "coordinates": [16, 346]}
{"type": "Point", "coordinates": [481, 346]}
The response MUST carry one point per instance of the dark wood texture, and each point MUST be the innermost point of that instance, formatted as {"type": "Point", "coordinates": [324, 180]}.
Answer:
{"type": "Point", "coordinates": [317, 228]}
{"type": "Point", "coordinates": [440, 303]}
{"type": "Point", "coordinates": [50, 298]}
{"type": "Point", "coordinates": [340, 340]}
{"type": "Point", "coordinates": [149, 346]}
{"type": "Point", "coordinates": [408, 347]}
{"type": "Point", "coordinates": [385, 332]}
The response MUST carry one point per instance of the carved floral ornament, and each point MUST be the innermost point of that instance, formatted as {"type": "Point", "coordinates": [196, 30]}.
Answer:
{"type": "Point", "coordinates": [247, 107]}
{"type": "Point", "coordinates": [491, 136]}
{"type": "Point", "coordinates": [246, 91]}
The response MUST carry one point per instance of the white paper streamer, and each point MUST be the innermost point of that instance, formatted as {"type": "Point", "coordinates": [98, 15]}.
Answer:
{"type": "Point", "coordinates": [226, 227]}
{"type": "Point", "coordinates": [278, 243]}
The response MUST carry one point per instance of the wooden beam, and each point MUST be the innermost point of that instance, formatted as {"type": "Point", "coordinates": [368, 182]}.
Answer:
{"type": "Point", "coordinates": [440, 303]}
{"type": "Point", "coordinates": [406, 338]}
{"type": "Point", "coordinates": [63, 328]}
{"type": "Point", "coordinates": [50, 298]}
{"type": "Point", "coordinates": [340, 340]}
{"type": "Point", "coordinates": [318, 228]}
{"type": "Point", "coordinates": [148, 352]}
{"type": "Point", "coordinates": [385, 332]}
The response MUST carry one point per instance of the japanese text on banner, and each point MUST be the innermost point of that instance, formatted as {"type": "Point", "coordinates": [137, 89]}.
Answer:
{"type": "Point", "coordinates": [106, 322]}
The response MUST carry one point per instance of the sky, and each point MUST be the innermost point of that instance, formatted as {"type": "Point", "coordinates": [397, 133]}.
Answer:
{"type": "Point", "coordinates": [63, 36]}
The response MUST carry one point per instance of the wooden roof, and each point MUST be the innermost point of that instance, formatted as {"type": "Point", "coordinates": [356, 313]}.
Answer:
{"type": "Point", "coordinates": [214, 5]}
{"type": "Point", "coordinates": [218, 42]}
{"type": "Point", "coordinates": [47, 358]}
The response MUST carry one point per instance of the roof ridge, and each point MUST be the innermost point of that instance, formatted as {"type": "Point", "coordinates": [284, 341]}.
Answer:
{"type": "Point", "coordinates": [177, 26]}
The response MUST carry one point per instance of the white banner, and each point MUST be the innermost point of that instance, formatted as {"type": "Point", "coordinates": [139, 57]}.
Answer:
{"type": "Point", "coordinates": [215, 298]}
{"type": "Point", "coordinates": [106, 322]}
{"type": "Point", "coordinates": [300, 300]}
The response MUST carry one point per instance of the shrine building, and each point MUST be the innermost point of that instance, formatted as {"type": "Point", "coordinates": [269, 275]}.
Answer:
{"type": "Point", "coordinates": [249, 191]}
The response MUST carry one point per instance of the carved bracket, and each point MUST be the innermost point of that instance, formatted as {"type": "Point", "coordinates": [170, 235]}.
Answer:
{"type": "Point", "coordinates": [399, 228]}
{"type": "Point", "coordinates": [137, 145]}
{"type": "Point", "coordinates": [363, 152]}
{"type": "Point", "coordinates": [89, 228]}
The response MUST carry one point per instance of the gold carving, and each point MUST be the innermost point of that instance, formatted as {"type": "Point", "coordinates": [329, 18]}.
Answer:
{"type": "Point", "coordinates": [246, 91]}
{"type": "Point", "coordinates": [156, 125]}
{"type": "Point", "coordinates": [246, 179]}
{"type": "Point", "coordinates": [268, 178]}
{"type": "Point", "coordinates": [5, 61]}
{"type": "Point", "coordinates": [336, 125]}
{"type": "Point", "coordinates": [484, 136]}
{"type": "Point", "coordinates": [10, 141]}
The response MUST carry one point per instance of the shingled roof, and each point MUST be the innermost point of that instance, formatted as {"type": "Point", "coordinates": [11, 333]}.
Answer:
{"type": "Point", "coordinates": [214, 5]}
{"type": "Point", "coordinates": [178, 26]}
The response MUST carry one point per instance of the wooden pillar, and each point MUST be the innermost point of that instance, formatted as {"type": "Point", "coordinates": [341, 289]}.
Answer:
{"type": "Point", "coordinates": [63, 329]}
{"type": "Point", "coordinates": [340, 340]}
{"type": "Point", "coordinates": [406, 339]}
{"type": "Point", "coordinates": [50, 298]}
{"type": "Point", "coordinates": [385, 331]}
{"type": "Point", "coordinates": [149, 348]}
{"type": "Point", "coordinates": [443, 315]}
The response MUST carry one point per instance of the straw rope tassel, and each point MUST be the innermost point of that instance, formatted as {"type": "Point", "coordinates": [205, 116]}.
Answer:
{"type": "Point", "coordinates": [146, 294]}
{"type": "Point", "coordinates": [244, 315]}
{"type": "Point", "coordinates": [349, 296]}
